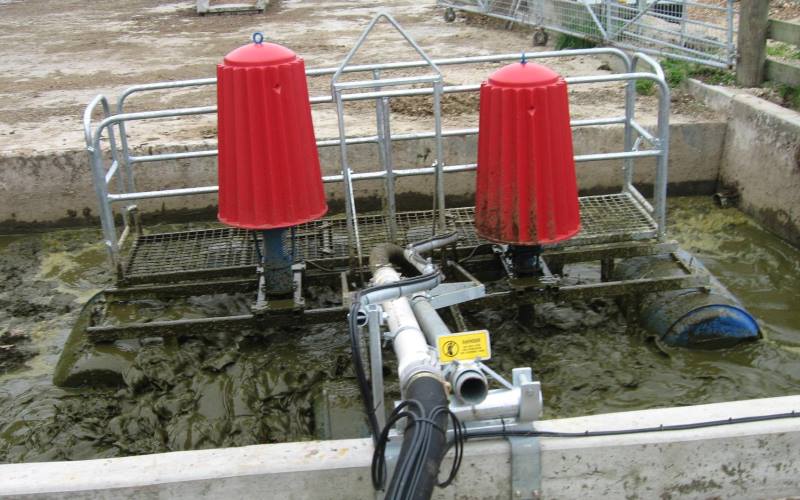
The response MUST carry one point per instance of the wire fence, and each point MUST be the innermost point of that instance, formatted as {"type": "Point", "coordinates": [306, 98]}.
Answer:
{"type": "Point", "coordinates": [695, 31]}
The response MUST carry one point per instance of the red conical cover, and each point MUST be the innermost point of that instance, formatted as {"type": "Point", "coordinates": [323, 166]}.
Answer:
{"type": "Point", "coordinates": [269, 175]}
{"type": "Point", "coordinates": [526, 191]}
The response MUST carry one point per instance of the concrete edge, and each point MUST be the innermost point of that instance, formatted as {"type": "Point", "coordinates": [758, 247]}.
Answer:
{"type": "Point", "coordinates": [714, 96]}
{"type": "Point", "coordinates": [761, 157]}
{"type": "Point", "coordinates": [64, 179]}
{"type": "Point", "coordinates": [340, 469]}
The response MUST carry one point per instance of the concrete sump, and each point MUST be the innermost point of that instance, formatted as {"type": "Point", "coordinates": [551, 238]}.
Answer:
{"type": "Point", "coordinates": [294, 384]}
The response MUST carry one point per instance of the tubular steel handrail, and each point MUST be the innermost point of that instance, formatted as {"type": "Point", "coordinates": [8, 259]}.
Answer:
{"type": "Point", "coordinates": [122, 157]}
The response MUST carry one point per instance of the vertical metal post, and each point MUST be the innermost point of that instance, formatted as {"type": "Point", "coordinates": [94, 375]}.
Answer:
{"type": "Point", "coordinates": [376, 363]}
{"type": "Point", "coordinates": [437, 117]}
{"type": "Point", "coordinates": [128, 185]}
{"type": "Point", "coordinates": [126, 154]}
{"type": "Point", "coordinates": [382, 114]}
{"type": "Point", "coordinates": [660, 187]}
{"type": "Point", "coordinates": [684, 17]}
{"type": "Point", "coordinates": [630, 110]}
{"type": "Point", "coordinates": [106, 213]}
{"type": "Point", "coordinates": [349, 197]}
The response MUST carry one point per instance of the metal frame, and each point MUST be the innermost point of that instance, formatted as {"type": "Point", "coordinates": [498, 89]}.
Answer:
{"type": "Point", "coordinates": [642, 25]}
{"type": "Point", "coordinates": [382, 110]}
{"type": "Point", "coordinates": [124, 163]}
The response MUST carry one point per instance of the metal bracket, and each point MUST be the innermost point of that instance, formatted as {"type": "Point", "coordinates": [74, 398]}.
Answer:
{"type": "Point", "coordinates": [266, 304]}
{"type": "Point", "coordinates": [530, 401]}
{"type": "Point", "coordinates": [392, 453]}
{"type": "Point", "coordinates": [449, 294]}
{"type": "Point", "coordinates": [526, 468]}
{"type": "Point", "coordinates": [374, 316]}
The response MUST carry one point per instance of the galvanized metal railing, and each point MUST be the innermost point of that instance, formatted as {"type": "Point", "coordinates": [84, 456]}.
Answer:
{"type": "Point", "coordinates": [696, 31]}
{"type": "Point", "coordinates": [123, 161]}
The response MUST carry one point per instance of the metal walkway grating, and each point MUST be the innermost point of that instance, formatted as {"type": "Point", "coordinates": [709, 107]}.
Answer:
{"type": "Point", "coordinates": [161, 257]}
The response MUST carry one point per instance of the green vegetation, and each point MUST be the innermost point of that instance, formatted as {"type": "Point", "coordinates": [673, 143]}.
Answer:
{"type": "Point", "coordinates": [645, 87]}
{"type": "Point", "coordinates": [714, 76]}
{"type": "Point", "coordinates": [783, 50]}
{"type": "Point", "coordinates": [566, 42]}
{"type": "Point", "coordinates": [789, 94]}
{"type": "Point", "coordinates": [676, 72]}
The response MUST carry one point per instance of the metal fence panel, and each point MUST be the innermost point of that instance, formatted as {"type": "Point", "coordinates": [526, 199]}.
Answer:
{"type": "Point", "coordinates": [696, 31]}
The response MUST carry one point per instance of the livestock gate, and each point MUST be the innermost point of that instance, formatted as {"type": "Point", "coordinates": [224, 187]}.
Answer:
{"type": "Point", "coordinates": [700, 31]}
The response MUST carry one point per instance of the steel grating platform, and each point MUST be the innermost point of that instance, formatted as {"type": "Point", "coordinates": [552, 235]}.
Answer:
{"type": "Point", "coordinates": [190, 254]}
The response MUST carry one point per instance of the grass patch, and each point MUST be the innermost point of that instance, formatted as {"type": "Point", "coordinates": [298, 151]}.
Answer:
{"type": "Point", "coordinates": [566, 42]}
{"type": "Point", "coordinates": [789, 94]}
{"type": "Point", "coordinates": [783, 51]}
{"type": "Point", "coordinates": [676, 72]}
{"type": "Point", "coordinates": [714, 76]}
{"type": "Point", "coordinates": [645, 87]}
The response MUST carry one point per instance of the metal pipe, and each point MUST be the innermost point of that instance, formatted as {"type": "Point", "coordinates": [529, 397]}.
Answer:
{"type": "Point", "coordinates": [367, 176]}
{"type": "Point", "coordinates": [468, 382]}
{"type": "Point", "coordinates": [439, 165]}
{"type": "Point", "coordinates": [408, 80]}
{"type": "Point", "coordinates": [499, 403]}
{"type": "Point", "coordinates": [384, 140]}
{"type": "Point", "coordinates": [408, 341]}
{"type": "Point", "coordinates": [641, 199]}
{"type": "Point", "coordinates": [643, 132]}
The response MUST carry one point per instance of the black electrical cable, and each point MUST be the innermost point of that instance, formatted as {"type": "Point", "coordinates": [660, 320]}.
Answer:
{"type": "Point", "coordinates": [412, 469]}
{"type": "Point", "coordinates": [459, 439]}
{"type": "Point", "coordinates": [474, 251]}
{"type": "Point", "coordinates": [358, 365]}
{"type": "Point", "coordinates": [641, 430]}
{"type": "Point", "coordinates": [321, 267]}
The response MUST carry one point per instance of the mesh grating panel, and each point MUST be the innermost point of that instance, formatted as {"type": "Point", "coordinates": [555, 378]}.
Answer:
{"type": "Point", "coordinates": [188, 250]}
{"type": "Point", "coordinates": [611, 218]}
{"type": "Point", "coordinates": [606, 218]}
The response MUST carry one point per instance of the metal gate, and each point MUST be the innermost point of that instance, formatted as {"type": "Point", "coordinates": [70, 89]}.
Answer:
{"type": "Point", "coordinates": [697, 31]}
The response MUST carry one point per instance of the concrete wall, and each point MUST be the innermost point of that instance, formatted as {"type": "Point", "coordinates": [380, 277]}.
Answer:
{"type": "Point", "coordinates": [751, 460]}
{"type": "Point", "coordinates": [56, 188]}
{"type": "Point", "coordinates": [761, 158]}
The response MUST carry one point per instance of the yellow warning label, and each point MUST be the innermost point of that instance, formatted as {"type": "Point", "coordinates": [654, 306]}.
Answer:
{"type": "Point", "coordinates": [464, 346]}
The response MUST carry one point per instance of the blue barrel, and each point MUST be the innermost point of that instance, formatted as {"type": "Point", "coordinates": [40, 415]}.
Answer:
{"type": "Point", "coordinates": [709, 318]}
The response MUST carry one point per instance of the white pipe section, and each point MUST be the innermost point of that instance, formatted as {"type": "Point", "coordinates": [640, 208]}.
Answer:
{"type": "Point", "coordinates": [410, 346]}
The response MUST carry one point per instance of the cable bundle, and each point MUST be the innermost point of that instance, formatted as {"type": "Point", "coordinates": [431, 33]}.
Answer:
{"type": "Point", "coordinates": [412, 469]}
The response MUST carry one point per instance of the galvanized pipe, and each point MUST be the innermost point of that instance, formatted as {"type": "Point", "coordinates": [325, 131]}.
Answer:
{"type": "Point", "coordinates": [367, 176]}
{"type": "Point", "coordinates": [467, 381]}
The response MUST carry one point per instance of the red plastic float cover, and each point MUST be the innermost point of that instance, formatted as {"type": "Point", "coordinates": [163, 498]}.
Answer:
{"type": "Point", "coordinates": [526, 192]}
{"type": "Point", "coordinates": [269, 173]}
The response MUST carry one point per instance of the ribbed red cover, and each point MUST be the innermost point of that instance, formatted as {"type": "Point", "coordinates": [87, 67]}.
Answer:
{"type": "Point", "coordinates": [269, 175]}
{"type": "Point", "coordinates": [526, 191]}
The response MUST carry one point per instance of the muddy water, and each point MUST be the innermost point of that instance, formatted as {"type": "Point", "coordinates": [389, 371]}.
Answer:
{"type": "Point", "coordinates": [257, 387]}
